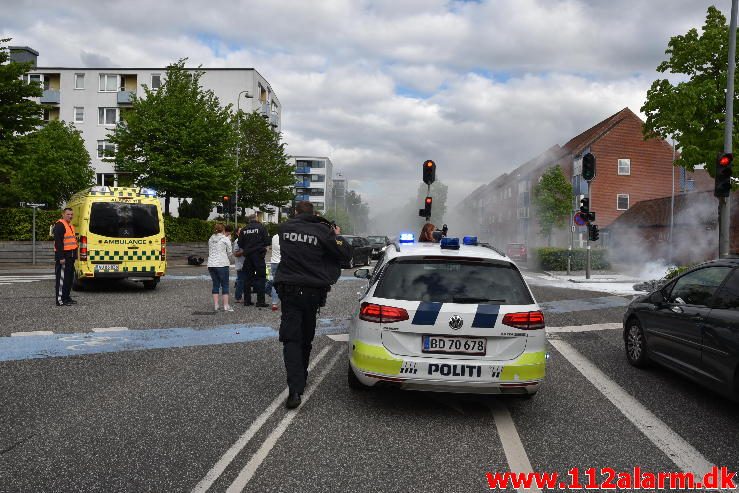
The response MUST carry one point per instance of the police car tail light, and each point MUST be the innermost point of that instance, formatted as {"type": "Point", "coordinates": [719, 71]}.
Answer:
{"type": "Point", "coordinates": [163, 253]}
{"type": "Point", "coordinates": [372, 312]}
{"type": "Point", "coordinates": [83, 247]}
{"type": "Point", "coordinates": [524, 320]}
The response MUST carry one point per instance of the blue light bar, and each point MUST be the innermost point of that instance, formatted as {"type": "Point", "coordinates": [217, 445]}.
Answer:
{"type": "Point", "coordinates": [449, 243]}
{"type": "Point", "coordinates": [406, 238]}
{"type": "Point", "coordinates": [469, 240]}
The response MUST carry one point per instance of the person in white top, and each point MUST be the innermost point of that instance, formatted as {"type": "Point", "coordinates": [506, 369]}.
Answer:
{"type": "Point", "coordinates": [219, 262]}
{"type": "Point", "coordinates": [274, 262]}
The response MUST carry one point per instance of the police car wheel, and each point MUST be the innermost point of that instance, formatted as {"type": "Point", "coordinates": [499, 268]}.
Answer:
{"type": "Point", "coordinates": [354, 382]}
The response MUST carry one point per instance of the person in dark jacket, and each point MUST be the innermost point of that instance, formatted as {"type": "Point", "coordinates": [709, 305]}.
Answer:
{"type": "Point", "coordinates": [253, 242]}
{"type": "Point", "coordinates": [310, 262]}
{"type": "Point", "coordinates": [65, 253]}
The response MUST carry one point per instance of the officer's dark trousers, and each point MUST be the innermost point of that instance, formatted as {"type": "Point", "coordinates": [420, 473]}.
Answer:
{"type": "Point", "coordinates": [297, 328]}
{"type": "Point", "coordinates": [64, 275]}
{"type": "Point", "coordinates": [255, 274]}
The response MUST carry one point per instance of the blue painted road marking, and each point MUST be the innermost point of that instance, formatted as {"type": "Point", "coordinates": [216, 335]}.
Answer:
{"type": "Point", "coordinates": [57, 345]}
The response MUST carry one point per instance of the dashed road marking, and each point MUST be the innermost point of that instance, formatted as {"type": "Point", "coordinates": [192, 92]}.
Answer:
{"type": "Point", "coordinates": [339, 337]}
{"type": "Point", "coordinates": [109, 329]}
{"type": "Point", "coordinates": [260, 455]}
{"type": "Point", "coordinates": [515, 453]}
{"type": "Point", "coordinates": [256, 425]}
{"type": "Point", "coordinates": [684, 455]}
{"type": "Point", "coordinates": [12, 279]}
{"type": "Point", "coordinates": [32, 333]}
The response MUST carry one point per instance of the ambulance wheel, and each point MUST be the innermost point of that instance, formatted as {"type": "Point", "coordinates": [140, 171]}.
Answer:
{"type": "Point", "coordinates": [151, 284]}
{"type": "Point", "coordinates": [77, 283]}
{"type": "Point", "coordinates": [354, 382]}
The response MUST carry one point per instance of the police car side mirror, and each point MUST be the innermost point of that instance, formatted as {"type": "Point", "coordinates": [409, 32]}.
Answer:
{"type": "Point", "coordinates": [362, 273]}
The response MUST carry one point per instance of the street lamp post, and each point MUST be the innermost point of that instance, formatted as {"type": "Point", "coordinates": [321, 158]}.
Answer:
{"type": "Point", "coordinates": [238, 146]}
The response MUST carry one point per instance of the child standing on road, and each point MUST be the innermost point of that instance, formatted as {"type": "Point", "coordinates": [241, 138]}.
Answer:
{"type": "Point", "coordinates": [219, 262]}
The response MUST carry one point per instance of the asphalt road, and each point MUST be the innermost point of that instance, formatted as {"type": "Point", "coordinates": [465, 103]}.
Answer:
{"type": "Point", "coordinates": [191, 400]}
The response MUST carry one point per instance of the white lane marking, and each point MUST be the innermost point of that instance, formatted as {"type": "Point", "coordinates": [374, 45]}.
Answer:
{"type": "Point", "coordinates": [515, 453]}
{"type": "Point", "coordinates": [109, 329]}
{"type": "Point", "coordinates": [339, 337]}
{"type": "Point", "coordinates": [256, 425]}
{"type": "Point", "coordinates": [33, 333]}
{"type": "Point", "coordinates": [256, 460]}
{"type": "Point", "coordinates": [585, 328]}
{"type": "Point", "coordinates": [684, 455]}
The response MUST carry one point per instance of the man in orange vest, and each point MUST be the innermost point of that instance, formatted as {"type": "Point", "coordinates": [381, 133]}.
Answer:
{"type": "Point", "coordinates": [65, 253]}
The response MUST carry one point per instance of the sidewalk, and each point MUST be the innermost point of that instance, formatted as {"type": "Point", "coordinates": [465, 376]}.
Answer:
{"type": "Point", "coordinates": [595, 277]}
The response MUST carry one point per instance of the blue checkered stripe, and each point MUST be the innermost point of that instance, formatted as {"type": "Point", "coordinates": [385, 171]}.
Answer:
{"type": "Point", "coordinates": [428, 312]}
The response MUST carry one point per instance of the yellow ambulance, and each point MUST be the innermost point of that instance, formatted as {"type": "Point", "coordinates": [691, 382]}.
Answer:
{"type": "Point", "coordinates": [120, 235]}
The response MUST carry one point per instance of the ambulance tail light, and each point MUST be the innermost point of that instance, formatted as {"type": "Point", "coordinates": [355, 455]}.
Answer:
{"type": "Point", "coordinates": [525, 320]}
{"type": "Point", "coordinates": [372, 312]}
{"type": "Point", "coordinates": [163, 253]}
{"type": "Point", "coordinates": [83, 247]}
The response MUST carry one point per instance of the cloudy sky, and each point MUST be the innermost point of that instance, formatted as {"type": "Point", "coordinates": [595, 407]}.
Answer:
{"type": "Point", "coordinates": [381, 85]}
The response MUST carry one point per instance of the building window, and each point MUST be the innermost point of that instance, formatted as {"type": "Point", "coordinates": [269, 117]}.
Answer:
{"type": "Point", "coordinates": [46, 115]}
{"type": "Point", "coordinates": [79, 114]}
{"type": "Point", "coordinates": [36, 79]}
{"type": "Point", "coordinates": [106, 179]}
{"type": "Point", "coordinates": [79, 81]}
{"type": "Point", "coordinates": [109, 83]}
{"type": "Point", "coordinates": [107, 116]}
{"type": "Point", "coordinates": [622, 201]}
{"type": "Point", "coordinates": [106, 149]}
{"type": "Point", "coordinates": [317, 178]}
{"type": "Point", "coordinates": [156, 81]}
{"type": "Point", "coordinates": [624, 166]}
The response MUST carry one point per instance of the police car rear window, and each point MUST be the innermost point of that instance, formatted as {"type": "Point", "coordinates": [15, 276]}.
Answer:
{"type": "Point", "coordinates": [446, 281]}
{"type": "Point", "coordinates": [122, 220]}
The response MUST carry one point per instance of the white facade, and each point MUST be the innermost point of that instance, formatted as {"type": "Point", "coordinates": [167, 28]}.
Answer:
{"type": "Point", "coordinates": [93, 99]}
{"type": "Point", "coordinates": [313, 180]}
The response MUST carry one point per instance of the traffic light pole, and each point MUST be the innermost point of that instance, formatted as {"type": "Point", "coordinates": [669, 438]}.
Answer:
{"type": "Point", "coordinates": [587, 252]}
{"type": "Point", "coordinates": [724, 203]}
{"type": "Point", "coordinates": [428, 194]}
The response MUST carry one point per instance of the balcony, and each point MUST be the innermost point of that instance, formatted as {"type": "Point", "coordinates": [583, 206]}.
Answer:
{"type": "Point", "coordinates": [302, 171]}
{"type": "Point", "coordinates": [302, 197]}
{"type": "Point", "coordinates": [50, 96]}
{"type": "Point", "coordinates": [302, 184]}
{"type": "Point", "coordinates": [124, 97]}
{"type": "Point", "coordinates": [274, 120]}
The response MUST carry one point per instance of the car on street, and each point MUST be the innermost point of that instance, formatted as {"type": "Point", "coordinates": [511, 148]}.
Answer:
{"type": "Point", "coordinates": [447, 317]}
{"type": "Point", "coordinates": [690, 325]}
{"type": "Point", "coordinates": [517, 251]}
{"type": "Point", "coordinates": [378, 243]}
{"type": "Point", "coordinates": [361, 251]}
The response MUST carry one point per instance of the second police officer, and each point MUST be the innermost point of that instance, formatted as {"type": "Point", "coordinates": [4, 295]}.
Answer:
{"type": "Point", "coordinates": [311, 254]}
{"type": "Point", "coordinates": [253, 242]}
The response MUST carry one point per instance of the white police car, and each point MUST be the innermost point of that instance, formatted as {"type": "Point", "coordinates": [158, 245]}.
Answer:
{"type": "Point", "coordinates": [447, 317]}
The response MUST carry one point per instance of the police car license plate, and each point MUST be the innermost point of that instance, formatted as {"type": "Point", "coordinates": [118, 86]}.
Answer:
{"type": "Point", "coordinates": [476, 346]}
{"type": "Point", "coordinates": [106, 268]}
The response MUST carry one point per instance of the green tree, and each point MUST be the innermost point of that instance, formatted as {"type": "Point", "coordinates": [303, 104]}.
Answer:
{"type": "Point", "coordinates": [52, 165]}
{"type": "Point", "coordinates": [341, 218]}
{"type": "Point", "coordinates": [552, 200]}
{"type": "Point", "coordinates": [692, 111]}
{"type": "Point", "coordinates": [358, 212]}
{"type": "Point", "coordinates": [18, 113]}
{"type": "Point", "coordinates": [177, 140]}
{"type": "Point", "coordinates": [265, 176]}
{"type": "Point", "coordinates": [200, 208]}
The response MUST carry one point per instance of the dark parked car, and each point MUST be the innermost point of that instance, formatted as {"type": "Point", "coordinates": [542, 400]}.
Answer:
{"type": "Point", "coordinates": [691, 325]}
{"type": "Point", "coordinates": [361, 251]}
{"type": "Point", "coordinates": [378, 243]}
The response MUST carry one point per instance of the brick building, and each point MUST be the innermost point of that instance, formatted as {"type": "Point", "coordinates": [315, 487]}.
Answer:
{"type": "Point", "coordinates": [629, 170]}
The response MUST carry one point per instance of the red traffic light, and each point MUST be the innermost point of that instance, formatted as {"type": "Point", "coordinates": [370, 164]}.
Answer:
{"type": "Point", "coordinates": [428, 200]}
{"type": "Point", "coordinates": [726, 160]}
{"type": "Point", "coordinates": [428, 163]}
{"type": "Point", "coordinates": [226, 197]}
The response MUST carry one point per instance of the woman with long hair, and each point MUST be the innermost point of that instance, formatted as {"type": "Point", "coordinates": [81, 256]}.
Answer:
{"type": "Point", "coordinates": [427, 233]}
{"type": "Point", "coordinates": [219, 261]}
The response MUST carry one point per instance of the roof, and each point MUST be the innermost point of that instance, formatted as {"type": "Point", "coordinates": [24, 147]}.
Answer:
{"type": "Point", "coordinates": [576, 144]}
{"type": "Point", "coordinates": [417, 249]}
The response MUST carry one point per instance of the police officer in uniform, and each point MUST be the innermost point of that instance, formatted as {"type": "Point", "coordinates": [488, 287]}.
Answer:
{"type": "Point", "coordinates": [65, 253]}
{"type": "Point", "coordinates": [310, 262]}
{"type": "Point", "coordinates": [253, 242]}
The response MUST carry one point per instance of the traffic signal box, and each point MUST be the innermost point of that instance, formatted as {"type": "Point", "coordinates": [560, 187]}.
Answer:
{"type": "Point", "coordinates": [593, 233]}
{"type": "Point", "coordinates": [426, 211]}
{"type": "Point", "coordinates": [585, 206]}
{"type": "Point", "coordinates": [722, 187]}
{"type": "Point", "coordinates": [429, 172]}
{"type": "Point", "coordinates": [588, 167]}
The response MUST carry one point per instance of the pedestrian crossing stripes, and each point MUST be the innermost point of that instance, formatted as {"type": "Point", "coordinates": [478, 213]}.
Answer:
{"type": "Point", "coordinates": [7, 280]}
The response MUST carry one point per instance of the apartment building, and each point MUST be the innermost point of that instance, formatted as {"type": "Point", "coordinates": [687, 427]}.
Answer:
{"type": "Point", "coordinates": [629, 170]}
{"type": "Point", "coordinates": [94, 99]}
{"type": "Point", "coordinates": [313, 180]}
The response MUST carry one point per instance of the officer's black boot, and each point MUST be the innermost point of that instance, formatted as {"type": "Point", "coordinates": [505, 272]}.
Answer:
{"type": "Point", "coordinates": [293, 400]}
{"type": "Point", "coordinates": [260, 299]}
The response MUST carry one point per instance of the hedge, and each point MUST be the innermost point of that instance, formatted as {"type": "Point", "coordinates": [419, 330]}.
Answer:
{"type": "Point", "coordinates": [551, 258]}
{"type": "Point", "coordinates": [17, 224]}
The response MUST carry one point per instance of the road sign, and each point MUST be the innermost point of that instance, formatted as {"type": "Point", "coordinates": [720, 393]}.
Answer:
{"type": "Point", "coordinates": [580, 219]}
